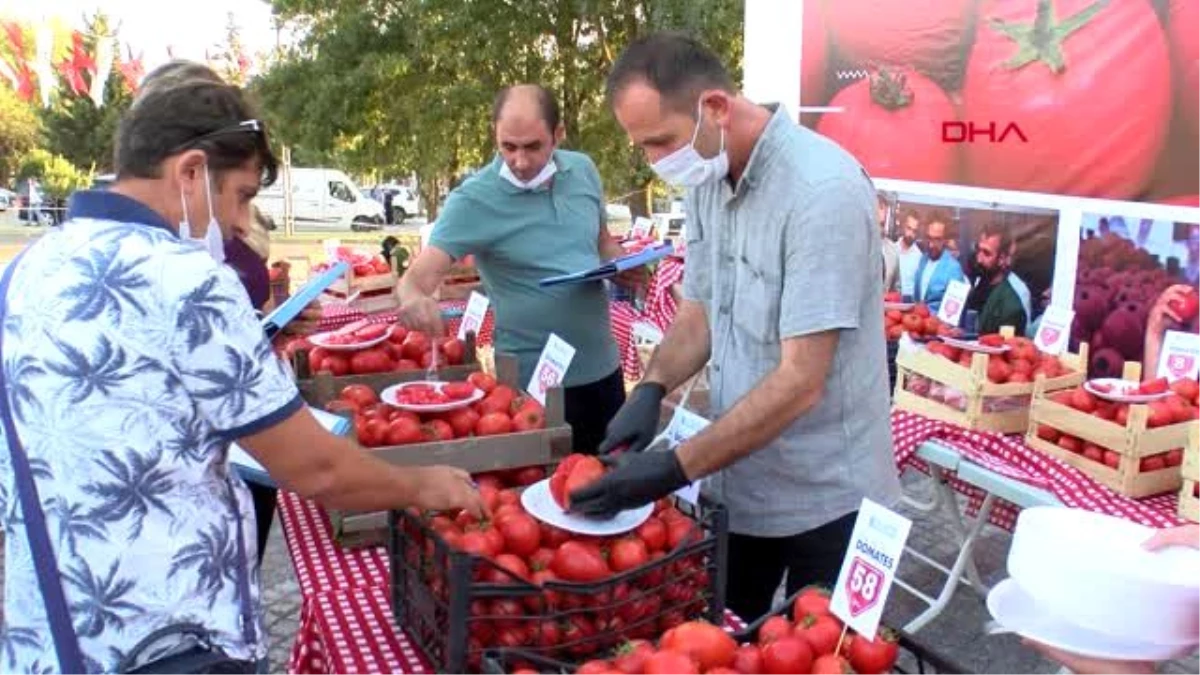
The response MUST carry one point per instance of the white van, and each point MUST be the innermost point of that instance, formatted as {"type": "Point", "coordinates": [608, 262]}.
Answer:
{"type": "Point", "coordinates": [322, 199]}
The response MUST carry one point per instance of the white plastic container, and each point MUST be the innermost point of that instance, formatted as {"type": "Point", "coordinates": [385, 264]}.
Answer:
{"type": "Point", "coordinates": [1091, 570]}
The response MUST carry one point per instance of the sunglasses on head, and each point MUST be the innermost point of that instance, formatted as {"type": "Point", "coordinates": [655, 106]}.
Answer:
{"type": "Point", "coordinates": [247, 126]}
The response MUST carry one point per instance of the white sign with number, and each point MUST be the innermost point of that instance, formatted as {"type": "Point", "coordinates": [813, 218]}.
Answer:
{"type": "Point", "coordinates": [1180, 358]}
{"type": "Point", "coordinates": [683, 425]}
{"type": "Point", "coordinates": [954, 302]}
{"type": "Point", "coordinates": [869, 567]}
{"type": "Point", "coordinates": [551, 367]}
{"type": "Point", "coordinates": [642, 226]}
{"type": "Point", "coordinates": [1054, 332]}
{"type": "Point", "coordinates": [477, 306]}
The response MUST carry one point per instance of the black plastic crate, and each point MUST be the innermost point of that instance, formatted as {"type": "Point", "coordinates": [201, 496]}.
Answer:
{"type": "Point", "coordinates": [912, 650]}
{"type": "Point", "coordinates": [441, 599]}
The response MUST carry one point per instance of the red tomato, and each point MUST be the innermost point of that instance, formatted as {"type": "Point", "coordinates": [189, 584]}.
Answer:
{"type": "Point", "coordinates": [529, 419]}
{"type": "Point", "coordinates": [874, 656]}
{"type": "Point", "coordinates": [398, 335]}
{"type": "Point", "coordinates": [416, 344]}
{"type": "Point", "coordinates": [574, 561]}
{"type": "Point", "coordinates": [454, 351]}
{"type": "Point", "coordinates": [476, 543]}
{"type": "Point", "coordinates": [584, 472]}
{"type": "Point", "coordinates": [437, 430]}
{"type": "Point", "coordinates": [493, 424]}
{"type": "Point", "coordinates": [1078, 143]}
{"type": "Point", "coordinates": [681, 531]}
{"type": "Point", "coordinates": [529, 475]}
{"type": "Point", "coordinates": [482, 381]}
{"type": "Point", "coordinates": [1182, 18]}
{"type": "Point", "coordinates": [403, 431]}
{"type": "Point", "coordinates": [367, 361]}
{"type": "Point", "coordinates": [594, 667]}
{"type": "Point", "coordinates": [654, 533]}
{"type": "Point", "coordinates": [627, 553]}
{"type": "Point", "coordinates": [812, 600]}
{"type": "Point", "coordinates": [710, 646]}
{"type": "Point", "coordinates": [521, 534]}
{"type": "Point", "coordinates": [511, 563]}
{"type": "Point", "coordinates": [462, 421]}
{"type": "Point", "coordinates": [457, 391]}
{"type": "Point", "coordinates": [831, 664]}
{"type": "Point", "coordinates": [774, 628]}
{"type": "Point", "coordinates": [748, 659]}
{"type": "Point", "coordinates": [631, 657]}
{"type": "Point", "coordinates": [670, 663]}
{"type": "Point", "coordinates": [787, 655]}
{"type": "Point", "coordinates": [925, 34]}
{"type": "Point", "coordinates": [336, 364]}
{"type": "Point", "coordinates": [541, 558]}
{"type": "Point", "coordinates": [893, 127]}
{"type": "Point", "coordinates": [360, 394]}
{"type": "Point", "coordinates": [815, 45]}
{"type": "Point", "coordinates": [820, 631]}
{"type": "Point", "coordinates": [406, 364]}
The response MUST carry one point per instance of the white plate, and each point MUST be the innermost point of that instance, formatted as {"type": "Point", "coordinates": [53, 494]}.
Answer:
{"type": "Point", "coordinates": [320, 340]}
{"type": "Point", "coordinates": [898, 306]}
{"type": "Point", "coordinates": [537, 501]}
{"type": "Point", "coordinates": [1014, 609]}
{"type": "Point", "coordinates": [389, 395]}
{"type": "Point", "coordinates": [1119, 385]}
{"type": "Point", "coordinates": [974, 346]}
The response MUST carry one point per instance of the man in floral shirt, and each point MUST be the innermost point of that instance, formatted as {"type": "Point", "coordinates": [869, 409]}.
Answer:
{"type": "Point", "coordinates": [131, 360]}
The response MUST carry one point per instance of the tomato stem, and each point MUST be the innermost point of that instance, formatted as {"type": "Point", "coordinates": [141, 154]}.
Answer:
{"type": "Point", "coordinates": [890, 89]}
{"type": "Point", "coordinates": [1043, 40]}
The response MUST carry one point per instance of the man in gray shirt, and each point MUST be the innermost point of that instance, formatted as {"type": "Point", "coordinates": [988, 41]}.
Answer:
{"type": "Point", "coordinates": [783, 292]}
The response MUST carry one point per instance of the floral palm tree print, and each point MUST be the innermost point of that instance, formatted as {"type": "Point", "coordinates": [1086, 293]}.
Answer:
{"type": "Point", "coordinates": [108, 283]}
{"type": "Point", "coordinates": [102, 604]}
{"type": "Point", "coordinates": [214, 557]}
{"type": "Point", "coordinates": [139, 485]}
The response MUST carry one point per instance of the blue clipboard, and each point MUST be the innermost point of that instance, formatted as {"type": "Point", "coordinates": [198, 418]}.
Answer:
{"type": "Point", "coordinates": [291, 308]}
{"type": "Point", "coordinates": [613, 267]}
{"type": "Point", "coordinates": [251, 471]}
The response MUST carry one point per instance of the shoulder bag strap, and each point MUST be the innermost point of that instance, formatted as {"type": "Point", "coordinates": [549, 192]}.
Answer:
{"type": "Point", "coordinates": [66, 642]}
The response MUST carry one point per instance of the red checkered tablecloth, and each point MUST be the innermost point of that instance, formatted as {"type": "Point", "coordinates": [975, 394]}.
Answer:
{"type": "Point", "coordinates": [346, 621]}
{"type": "Point", "coordinates": [338, 314]}
{"type": "Point", "coordinates": [659, 311]}
{"type": "Point", "coordinates": [1010, 457]}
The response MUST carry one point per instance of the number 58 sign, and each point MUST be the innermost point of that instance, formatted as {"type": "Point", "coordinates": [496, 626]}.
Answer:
{"type": "Point", "coordinates": [869, 567]}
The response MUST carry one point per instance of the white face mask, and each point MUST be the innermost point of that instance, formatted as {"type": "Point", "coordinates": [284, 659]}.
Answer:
{"type": "Point", "coordinates": [687, 168]}
{"type": "Point", "coordinates": [213, 241]}
{"type": "Point", "coordinates": [533, 183]}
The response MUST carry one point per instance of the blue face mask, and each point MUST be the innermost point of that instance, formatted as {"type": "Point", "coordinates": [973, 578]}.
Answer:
{"type": "Point", "coordinates": [213, 240]}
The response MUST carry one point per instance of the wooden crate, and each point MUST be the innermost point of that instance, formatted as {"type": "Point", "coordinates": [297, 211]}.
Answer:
{"type": "Point", "coordinates": [1133, 441]}
{"type": "Point", "coordinates": [1189, 502]}
{"type": "Point", "coordinates": [376, 292]}
{"type": "Point", "coordinates": [476, 454]}
{"type": "Point", "coordinates": [322, 387]}
{"type": "Point", "coordinates": [976, 389]}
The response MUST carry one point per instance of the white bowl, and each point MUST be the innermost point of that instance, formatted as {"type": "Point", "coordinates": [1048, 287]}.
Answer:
{"type": "Point", "coordinates": [1092, 571]}
{"type": "Point", "coordinates": [1016, 611]}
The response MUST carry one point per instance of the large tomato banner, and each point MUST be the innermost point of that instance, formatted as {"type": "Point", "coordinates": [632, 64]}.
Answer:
{"type": "Point", "coordinates": [1093, 98]}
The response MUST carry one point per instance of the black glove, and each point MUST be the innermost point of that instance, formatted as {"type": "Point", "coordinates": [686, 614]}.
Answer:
{"type": "Point", "coordinates": [636, 423]}
{"type": "Point", "coordinates": [635, 479]}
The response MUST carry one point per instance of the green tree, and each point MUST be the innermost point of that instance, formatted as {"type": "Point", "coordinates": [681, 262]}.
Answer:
{"type": "Point", "coordinates": [57, 175]}
{"type": "Point", "coordinates": [74, 127]}
{"type": "Point", "coordinates": [20, 131]}
{"type": "Point", "coordinates": [405, 86]}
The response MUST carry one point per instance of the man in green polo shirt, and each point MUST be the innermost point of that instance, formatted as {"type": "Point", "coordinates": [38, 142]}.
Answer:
{"type": "Point", "coordinates": [536, 211]}
{"type": "Point", "coordinates": [993, 294]}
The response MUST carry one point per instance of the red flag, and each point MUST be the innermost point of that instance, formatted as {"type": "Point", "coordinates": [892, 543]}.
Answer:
{"type": "Point", "coordinates": [16, 38]}
{"type": "Point", "coordinates": [131, 69]}
{"type": "Point", "coordinates": [76, 65]}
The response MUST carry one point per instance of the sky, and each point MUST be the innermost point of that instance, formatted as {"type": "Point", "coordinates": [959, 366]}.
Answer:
{"type": "Point", "coordinates": [151, 26]}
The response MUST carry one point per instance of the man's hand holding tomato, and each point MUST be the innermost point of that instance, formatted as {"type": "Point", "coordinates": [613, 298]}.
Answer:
{"type": "Point", "coordinates": [1186, 535]}
{"type": "Point", "coordinates": [1175, 309]}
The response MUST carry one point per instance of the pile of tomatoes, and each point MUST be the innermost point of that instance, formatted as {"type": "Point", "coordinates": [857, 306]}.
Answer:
{"type": "Point", "coordinates": [1179, 408]}
{"type": "Point", "coordinates": [502, 410]}
{"type": "Point", "coordinates": [782, 646]}
{"type": "Point", "coordinates": [596, 592]}
{"type": "Point", "coordinates": [424, 393]}
{"type": "Point", "coordinates": [404, 350]}
{"type": "Point", "coordinates": [918, 322]}
{"type": "Point", "coordinates": [1022, 362]}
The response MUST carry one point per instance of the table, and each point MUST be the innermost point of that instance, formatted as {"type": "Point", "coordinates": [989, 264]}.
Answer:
{"type": "Point", "coordinates": [346, 622]}
{"type": "Point", "coordinates": [999, 475]}
{"type": "Point", "coordinates": [339, 314]}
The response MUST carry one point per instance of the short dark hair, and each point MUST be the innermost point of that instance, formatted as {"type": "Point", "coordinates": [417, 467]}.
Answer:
{"type": "Point", "coordinates": [677, 65]}
{"type": "Point", "coordinates": [911, 213]}
{"type": "Point", "coordinates": [547, 105]}
{"type": "Point", "coordinates": [193, 113]}
{"type": "Point", "coordinates": [939, 216]}
{"type": "Point", "coordinates": [175, 72]}
{"type": "Point", "coordinates": [995, 229]}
